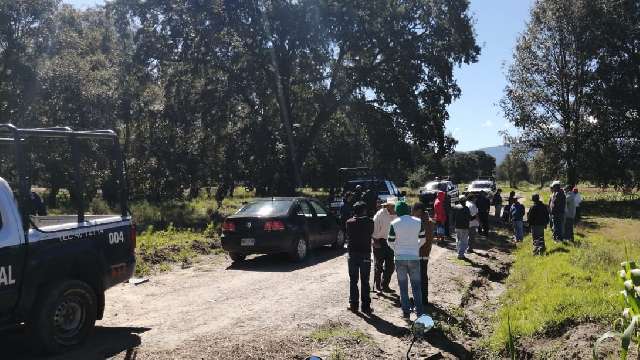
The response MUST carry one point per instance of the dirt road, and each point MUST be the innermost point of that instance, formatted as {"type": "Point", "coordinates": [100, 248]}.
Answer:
{"type": "Point", "coordinates": [266, 307]}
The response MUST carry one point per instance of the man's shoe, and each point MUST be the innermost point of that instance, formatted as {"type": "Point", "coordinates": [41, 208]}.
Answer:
{"type": "Point", "coordinates": [367, 310]}
{"type": "Point", "coordinates": [353, 308]}
{"type": "Point", "coordinates": [461, 257]}
{"type": "Point", "coordinates": [387, 289]}
{"type": "Point", "coordinates": [406, 316]}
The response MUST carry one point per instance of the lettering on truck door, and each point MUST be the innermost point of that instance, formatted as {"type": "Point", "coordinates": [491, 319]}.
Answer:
{"type": "Point", "coordinates": [11, 252]}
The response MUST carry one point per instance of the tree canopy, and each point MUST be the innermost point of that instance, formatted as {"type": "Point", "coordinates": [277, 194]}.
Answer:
{"type": "Point", "coordinates": [271, 94]}
{"type": "Point", "coordinates": [571, 88]}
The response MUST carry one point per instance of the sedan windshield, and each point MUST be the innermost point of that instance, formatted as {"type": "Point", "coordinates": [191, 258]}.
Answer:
{"type": "Point", "coordinates": [481, 185]}
{"type": "Point", "coordinates": [266, 208]}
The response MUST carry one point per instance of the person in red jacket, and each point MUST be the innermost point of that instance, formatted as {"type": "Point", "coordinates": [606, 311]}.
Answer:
{"type": "Point", "coordinates": [440, 216]}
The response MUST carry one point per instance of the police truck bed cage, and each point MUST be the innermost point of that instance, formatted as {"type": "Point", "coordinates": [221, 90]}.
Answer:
{"type": "Point", "coordinates": [16, 137]}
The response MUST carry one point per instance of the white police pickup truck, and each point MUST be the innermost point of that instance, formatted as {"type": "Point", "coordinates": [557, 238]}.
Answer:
{"type": "Point", "coordinates": [54, 270]}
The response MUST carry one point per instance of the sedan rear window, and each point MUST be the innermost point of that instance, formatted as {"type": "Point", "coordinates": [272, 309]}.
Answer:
{"type": "Point", "coordinates": [266, 208]}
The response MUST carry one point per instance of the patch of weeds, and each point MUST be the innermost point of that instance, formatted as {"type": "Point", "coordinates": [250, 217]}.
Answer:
{"type": "Point", "coordinates": [158, 249]}
{"type": "Point", "coordinates": [332, 331]}
{"type": "Point", "coordinates": [569, 285]}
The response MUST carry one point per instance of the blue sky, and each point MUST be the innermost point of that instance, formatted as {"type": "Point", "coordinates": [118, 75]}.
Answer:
{"type": "Point", "coordinates": [475, 118]}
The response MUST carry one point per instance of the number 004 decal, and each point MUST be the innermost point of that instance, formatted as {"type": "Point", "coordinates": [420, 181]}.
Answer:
{"type": "Point", "coordinates": [116, 237]}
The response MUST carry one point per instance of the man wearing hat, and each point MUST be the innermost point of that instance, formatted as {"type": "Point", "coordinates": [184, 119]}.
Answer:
{"type": "Point", "coordinates": [359, 230]}
{"type": "Point", "coordinates": [382, 253]}
{"type": "Point", "coordinates": [557, 206]}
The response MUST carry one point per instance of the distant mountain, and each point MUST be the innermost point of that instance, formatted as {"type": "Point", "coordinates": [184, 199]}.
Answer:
{"type": "Point", "coordinates": [498, 152]}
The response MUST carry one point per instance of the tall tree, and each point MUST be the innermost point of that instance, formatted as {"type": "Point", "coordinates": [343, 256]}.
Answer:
{"type": "Point", "coordinates": [551, 78]}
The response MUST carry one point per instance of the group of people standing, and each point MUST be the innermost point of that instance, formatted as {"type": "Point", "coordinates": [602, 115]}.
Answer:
{"type": "Point", "coordinates": [400, 238]}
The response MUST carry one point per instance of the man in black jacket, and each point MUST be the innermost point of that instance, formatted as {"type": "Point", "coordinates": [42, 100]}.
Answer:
{"type": "Point", "coordinates": [538, 219]}
{"type": "Point", "coordinates": [556, 205]}
{"type": "Point", "coordinates": [483, 204]}
{"type": "Point", "coordinates": [359, 230]}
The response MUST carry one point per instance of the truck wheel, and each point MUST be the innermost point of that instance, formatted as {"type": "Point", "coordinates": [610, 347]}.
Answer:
{"type": "Point", "coordinates": [64, 315]}
{"type": "Point", "coordinates": [237, 257]}
{"type": "Point", "coordinates": [300, 250]}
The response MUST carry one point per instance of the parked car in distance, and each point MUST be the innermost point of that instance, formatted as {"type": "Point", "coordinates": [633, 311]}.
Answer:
{"type": "Point", "coordinates": [429, 191]}
{"type": "Point", "coordinates": [478, 187]}
{"type": "Point", "coordinates": [291, 225]}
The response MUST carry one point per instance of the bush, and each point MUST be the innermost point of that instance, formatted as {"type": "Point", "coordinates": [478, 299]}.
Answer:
{"type": "Point", "coordinates": [97, 206]}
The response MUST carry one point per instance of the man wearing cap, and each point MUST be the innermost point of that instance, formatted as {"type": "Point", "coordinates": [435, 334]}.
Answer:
{"type": "Point", "coordinates": [538, 219]}
{"type": "Point", "coordinates": [406, 236]}
{"type": "Point", "coordinates": [556, 206]}
{"type": "Point", "coordinates": [569, 213]}
{"type": "Point", "coordinates": [462, 217]}
{"type": "Point", "coordinates": [517, 218]}
{"type": "Point", "coordinates": [359, 230]}
{"type": "Point", "coordinates": [382, 253]}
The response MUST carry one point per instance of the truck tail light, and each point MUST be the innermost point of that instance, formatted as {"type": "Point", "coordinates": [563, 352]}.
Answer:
{"type": "Point", "coordinates": [134, 237]}
{"type": "Point", "coordinates": [228, 226]}
{"type": "Point", "coordinates": [273, 225]}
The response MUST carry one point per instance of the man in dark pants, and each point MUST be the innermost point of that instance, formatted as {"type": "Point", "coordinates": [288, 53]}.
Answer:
{"type": "Point", "coordinates": [538, 219]}
{"type": "Point", "coordinates": [420, 211]}
{"type": "Point", "coordinates": [359, 230]}
{"type": "Point", "coordinates": [483, 204]}
{"type": "Point", "coordinates": [447, 209]}
{"type": "Point", "coordinates": [382, 253]}
{"type": "Point", "coordinates": [557, 206]}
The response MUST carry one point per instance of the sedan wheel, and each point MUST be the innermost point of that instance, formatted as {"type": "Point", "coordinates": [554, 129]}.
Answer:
{"type": "Point", "coordinates": [339, 243]}
{"type": "Point", "coordinates": [299, 252]}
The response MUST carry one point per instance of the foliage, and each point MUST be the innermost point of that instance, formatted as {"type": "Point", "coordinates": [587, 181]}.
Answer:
{"type": "Point", "coordinates": [513, 169]}
{"type": "Point", "coordinates": [627, 325]}
{"type": "Point", "coordinates": [570, 89]}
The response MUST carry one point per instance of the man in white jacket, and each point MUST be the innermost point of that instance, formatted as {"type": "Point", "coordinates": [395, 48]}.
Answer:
{"type": "Point", "coordinates": [406, 236]}
{"type": "Point", "coordinates": [382, 253]}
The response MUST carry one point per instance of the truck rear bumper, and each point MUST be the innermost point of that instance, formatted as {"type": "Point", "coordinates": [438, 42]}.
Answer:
{"type": "Point", "coordinates": [119, 273]}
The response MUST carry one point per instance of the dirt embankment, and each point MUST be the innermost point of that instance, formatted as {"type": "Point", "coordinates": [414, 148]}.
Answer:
{"type": "Point", "coordinates": [268, 308]}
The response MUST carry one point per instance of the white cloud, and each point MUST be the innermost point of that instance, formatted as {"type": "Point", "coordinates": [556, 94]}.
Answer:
{"type": "Point", "coordinates": [487, 124]}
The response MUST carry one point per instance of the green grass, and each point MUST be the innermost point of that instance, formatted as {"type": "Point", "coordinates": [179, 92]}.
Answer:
{"type": "Point", "coordinates": [570, 285]}
{"type": "Point", "coordinates": [337, 331]}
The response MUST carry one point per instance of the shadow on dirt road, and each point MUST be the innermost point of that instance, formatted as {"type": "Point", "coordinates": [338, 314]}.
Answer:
{"type": "Point", "coordinates": [105, 342]}
{"type": "Point", "coordinates": [280, 263]}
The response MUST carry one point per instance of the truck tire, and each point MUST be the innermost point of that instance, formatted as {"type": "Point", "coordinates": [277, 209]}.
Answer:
{"type": "Point", "coordinates": [64, 316]}
{"type": "Point", "coordinates": [237, 257]}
